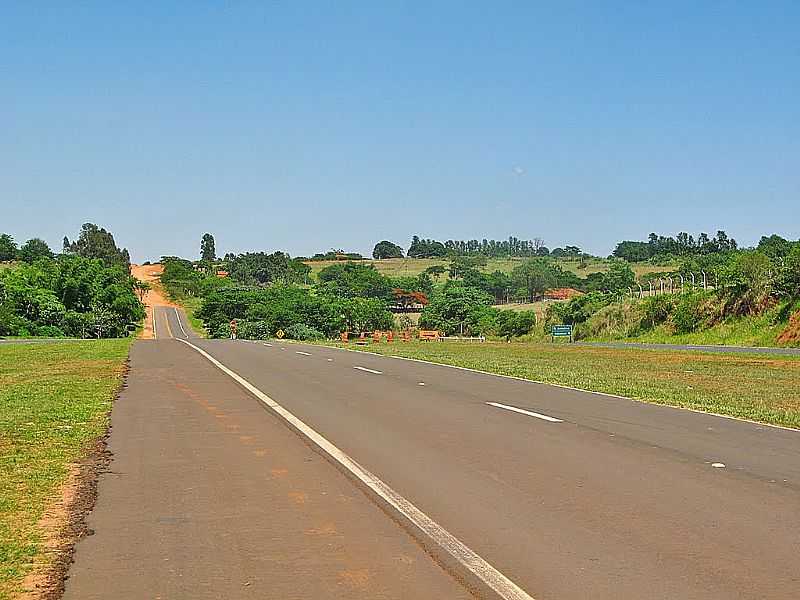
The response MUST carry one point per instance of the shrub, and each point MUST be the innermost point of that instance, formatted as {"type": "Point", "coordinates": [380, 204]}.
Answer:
{"type": "Point", "coordinates": [252, 330]}
{"type": "Point", "coordinates": [302, 332]}
{"type": "Point", "coordinates": [612, 321]}
{"type": "Point", "coordinates": [657, 309]}
{"type": "Point", "coordinates": [692, 311]}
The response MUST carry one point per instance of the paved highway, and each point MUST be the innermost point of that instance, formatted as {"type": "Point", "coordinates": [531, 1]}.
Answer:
{"type": "Point", "coordinates": [562, 494]}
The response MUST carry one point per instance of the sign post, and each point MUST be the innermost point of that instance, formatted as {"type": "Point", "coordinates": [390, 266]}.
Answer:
{"type": "Point", "coordinates": [561, 331]}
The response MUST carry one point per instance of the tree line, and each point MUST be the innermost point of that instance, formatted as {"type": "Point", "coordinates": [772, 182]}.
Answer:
{"type": "Point", "coordinates": [86, 291]}
{"type": "Point", "coordinates": [666, 247]}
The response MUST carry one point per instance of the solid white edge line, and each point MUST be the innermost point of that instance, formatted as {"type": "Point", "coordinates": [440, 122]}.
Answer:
{"type": "Point", "coordinates": [568, 387]}
{"type": "Point", "coordinates": [530, 413]}
{"type": "Point", "coordinates": [467, 558]}
{"type": "Point", "coordinates": [303, 353]}
{"type": "Point", "coordinates": [155, 330]}
{"type": "Point", "coordinates": [177, 316]}
{"type": "Point", "coordinates": [369, 370]}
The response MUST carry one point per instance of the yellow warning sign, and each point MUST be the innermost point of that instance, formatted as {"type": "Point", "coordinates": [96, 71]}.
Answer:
{"type": "Point", "coordinates": [279, 334]}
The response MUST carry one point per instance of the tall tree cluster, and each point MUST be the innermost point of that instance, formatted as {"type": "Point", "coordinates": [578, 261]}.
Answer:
{"type": "Point", "coordinates": [513, 246]}
{"type": "Point", "coordinates": [682, 244]}
{"type": "Point", "coordinates": [96, 242]}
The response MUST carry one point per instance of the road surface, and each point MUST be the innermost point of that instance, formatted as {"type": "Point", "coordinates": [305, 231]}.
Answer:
{"type": "Point", "coordinates": [568, 494]}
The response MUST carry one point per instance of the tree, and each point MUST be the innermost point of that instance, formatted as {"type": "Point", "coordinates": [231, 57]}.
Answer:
{"type": "Point", "coordinates": [619, 277]}
{"type": "Point", "coordinates": [207, 251]}
{"type": "Point", "coordinates": [435, 271]}
{"type": "Point", "coordinates": [354, 280]}
{"type": "Point", "coordinates": [532, 278]}
{"type": "Point", "coordinates": [387, 249]}
{"type": "Point", "coordinates": [633, 251]}
{"type": "Point", "coordinates": [774, 246]}
{"type": "Point", "coordinates": [34, 249]}
{"type": "Point", "coordinates": [8, 248]}
{"type": "Point", "coordinates": [264, 269]}
{"type": "Point", "coordinates": [96, 242]}
{"type": "Point", "coordinates": [455, 306]}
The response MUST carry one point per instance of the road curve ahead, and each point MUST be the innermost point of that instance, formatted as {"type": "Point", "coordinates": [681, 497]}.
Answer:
{"type": "Point", "coordinates": [567, 494]}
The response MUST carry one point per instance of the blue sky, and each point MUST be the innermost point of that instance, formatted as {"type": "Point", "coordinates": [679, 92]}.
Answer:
{"type": "Point", "coordinates": [315, 125]}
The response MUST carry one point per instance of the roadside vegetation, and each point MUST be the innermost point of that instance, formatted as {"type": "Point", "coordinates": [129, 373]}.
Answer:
{"type": "Point", "coordinates": [758, 387]}
{"type": "Point", "coordinates": [55, 400]}
{"type": "Point", "coordinates": [86, 291]}
{"type": "Point", "coordinates": [717, 292]}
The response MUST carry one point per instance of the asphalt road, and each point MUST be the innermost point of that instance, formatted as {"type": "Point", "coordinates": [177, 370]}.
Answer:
{"type": "Point", "coordinates": [580, 495]}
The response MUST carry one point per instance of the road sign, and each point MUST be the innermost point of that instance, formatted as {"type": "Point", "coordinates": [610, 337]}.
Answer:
{"type": "Point", "coordinates": [561, 331]}
{"type": "Point", "coordinates": [279, 334]}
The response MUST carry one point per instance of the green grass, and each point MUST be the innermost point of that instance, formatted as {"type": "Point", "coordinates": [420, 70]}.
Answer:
{"type": "Point", "coordinates": [401, 267]}
{"type": "Point", "coordinates": [758, 387]}
{"type": "Point", "coordinates": [190, 306]}
{"type": "Point", "coordinates": [54, 405]}
{"type": "Point", "coordinates": [745, 331]}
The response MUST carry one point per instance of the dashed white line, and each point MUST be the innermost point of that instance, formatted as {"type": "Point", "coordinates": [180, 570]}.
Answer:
{"type": "Point", "coordinates": [369, 370]}
{"type": "Point", "coordinates": [330, 360]}
{"type": "Point", "coordinates": [530, 413]}
{"type": "Point", "coordinates": [303, 353]}
{"type": "Point", "coordinates": [268, 345]}
{"type": "Point", "coordinates": [447, 542]}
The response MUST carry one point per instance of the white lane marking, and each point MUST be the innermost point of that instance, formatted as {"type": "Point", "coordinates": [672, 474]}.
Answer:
{"type": "Point", "coordinates": [369, 370]}
{"type": "Point", "coordinates": [155, 329]}
{"type": "Point", "coordinates": [177, 316]}
{"type": "Point", "coordinates": [268, 345]}
{"type": "Point", "coordinates": [718, 465]}
{"type": "Point", "coordinates": [330, 360]}
{"type": "Point", "coordinates": [467, 558]}
{"type": "Point", "coordinates": [303, 353]}
{"type": "Point", "coordinates": [421, 383]}
{"type": "Point", "coordinates": [569, 387]}
{"type": "Point", "coordinates": [530, 413]}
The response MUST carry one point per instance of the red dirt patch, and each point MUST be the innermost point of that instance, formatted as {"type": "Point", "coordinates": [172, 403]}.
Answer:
{"type": "Point", "coordinates": [791, 335]}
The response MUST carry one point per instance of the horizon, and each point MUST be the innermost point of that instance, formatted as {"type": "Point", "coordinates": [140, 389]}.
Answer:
{"type": "Point", "coordinates": [304, 130]}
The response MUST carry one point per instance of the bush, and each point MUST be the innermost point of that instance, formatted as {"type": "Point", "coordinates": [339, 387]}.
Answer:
{"type": "Point", "coordinates": [613, 321]}
{"type": "Point", "coordinates": [49, 331]}
{"type": "Point", "coordinates": [302, 332]}
{"type": "Point", "coordinates": [693, 311]}
{"type": "Point", "coordinates": [252, 330]}
{"type": "Point", "coordinates": [514, 324]}
{"type": "Point", "coordinates": [657, 309]}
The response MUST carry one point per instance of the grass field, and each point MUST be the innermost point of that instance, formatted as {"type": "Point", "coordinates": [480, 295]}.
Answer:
{"type": "Point", "coordinates": [399, 267]}
{"type": "Point", "coordinates": [759, 387]}
{"type": "Point", "coordinates": [54, 405]}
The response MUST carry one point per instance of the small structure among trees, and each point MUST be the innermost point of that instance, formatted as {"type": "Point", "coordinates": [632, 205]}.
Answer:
{"type": "Point", "coordinates": [408, 301]}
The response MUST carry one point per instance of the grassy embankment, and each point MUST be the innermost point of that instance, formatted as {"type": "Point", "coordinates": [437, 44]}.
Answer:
{"type": "Point", "coordinates": [403, 267]}
{"type": "Point", "coordinates": [743, 331]}
{"type": "Point", "coordinates": [54, 406]}
{"type": "Point", "coordinates": [190, 306]}
{"type": "Point", "coordinates": [758, 387]}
